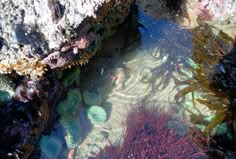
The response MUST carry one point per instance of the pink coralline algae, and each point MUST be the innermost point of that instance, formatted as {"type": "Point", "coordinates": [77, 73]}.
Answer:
{"type": "Point", "coordinates": [149, 136]}
{"type": "Point", "coordinates": [216, 10]}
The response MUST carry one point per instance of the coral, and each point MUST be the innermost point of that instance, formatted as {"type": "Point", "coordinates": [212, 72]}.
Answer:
{"type": "Point", "coordinates": [92, 98]}
{"type": "Point", "coordinates": [50, 146]}
{"type": "Point", "coordinates": [71, 103]}
{"type": "Point", "coordinates": [97, 115]}
{"type": "Point", "coordinates": [147, 135]}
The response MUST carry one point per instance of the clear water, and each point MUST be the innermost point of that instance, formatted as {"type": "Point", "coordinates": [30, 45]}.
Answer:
{"type": "Point", "coordinates": [146, 69]}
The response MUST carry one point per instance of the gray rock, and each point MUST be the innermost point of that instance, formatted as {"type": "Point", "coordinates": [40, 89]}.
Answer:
{"type": "Point", "coordinates": [37, 33]}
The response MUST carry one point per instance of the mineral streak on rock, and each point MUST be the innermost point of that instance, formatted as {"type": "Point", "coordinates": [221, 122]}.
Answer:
{"type": "Point", "coordinates": [34, 34]}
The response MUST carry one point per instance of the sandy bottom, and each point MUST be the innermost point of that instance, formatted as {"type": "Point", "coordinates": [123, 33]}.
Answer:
{"type": "Point", "coordinates": [133, 88]}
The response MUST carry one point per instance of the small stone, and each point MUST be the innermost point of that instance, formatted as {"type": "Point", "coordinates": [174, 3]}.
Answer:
{"type": "Point", "coordinates": [97, 115]}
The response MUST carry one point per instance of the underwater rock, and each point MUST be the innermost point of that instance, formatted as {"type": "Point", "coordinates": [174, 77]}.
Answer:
{"type": "Point", "coordinates": [92, 98]}
{"type": "Point", "coordinates": [221, 11]}
{"type": "Point", "coordinates": [20, 127]}
{"type": "Point", "coordinates": [57, 33]}
{"type": "Point", "coordinates": [97, 115]}
{"type": "Point", "coordinates": [223, 80]}
{"type": "Point", "coordinates": [28, 89]}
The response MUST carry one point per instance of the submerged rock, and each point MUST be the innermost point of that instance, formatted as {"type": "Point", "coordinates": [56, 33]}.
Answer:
{"type": "Point", "coordinates": [57, 33]}
{"type": "Point", "coordinates": [20, 127]}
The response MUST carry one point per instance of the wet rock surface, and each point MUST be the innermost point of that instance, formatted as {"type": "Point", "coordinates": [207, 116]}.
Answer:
{"type": "Point", "coordinates": [34, 34]}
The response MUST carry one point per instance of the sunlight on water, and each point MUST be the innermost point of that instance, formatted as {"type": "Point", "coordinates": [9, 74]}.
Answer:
{"type": "Point", "coordinates": [168, 66]}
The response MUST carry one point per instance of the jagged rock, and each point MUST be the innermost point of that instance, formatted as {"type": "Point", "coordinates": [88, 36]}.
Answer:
{"type": "Point", "coordinates": [57, 33]}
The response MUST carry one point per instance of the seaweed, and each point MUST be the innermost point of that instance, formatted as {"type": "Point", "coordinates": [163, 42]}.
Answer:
{"type": "Point", "coordinates": [168, 50]}
{"type": "Point", "coordinates": [149, 134]}
{"type": "Point", "coordinates": [209, 46]}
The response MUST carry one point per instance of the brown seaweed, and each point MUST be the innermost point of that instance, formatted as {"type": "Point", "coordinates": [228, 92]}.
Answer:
{"type": "Point", "coordinates": [208, 49]}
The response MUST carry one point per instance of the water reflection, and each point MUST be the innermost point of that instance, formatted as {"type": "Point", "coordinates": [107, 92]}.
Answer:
{"type": "Point", "coordinates": [165, 64]}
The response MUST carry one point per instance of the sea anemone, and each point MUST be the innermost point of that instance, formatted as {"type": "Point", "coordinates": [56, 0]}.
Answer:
{"type": "Point", "coordinates": [72, 133]}
{"type": "Point", "coordinates": [97, 115]}
{"type": "Point", "coordinates": [71, 103]}
{"type": "Point", "coordinates": [71, 76]}
{"type": "Point", "coordinates": [148, 135]}
{"type": "Point", "coordinates": [50, 146]}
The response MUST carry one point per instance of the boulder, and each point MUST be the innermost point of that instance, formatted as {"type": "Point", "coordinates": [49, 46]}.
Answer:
{"type": "Point", "coordinates": [54, 33]}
